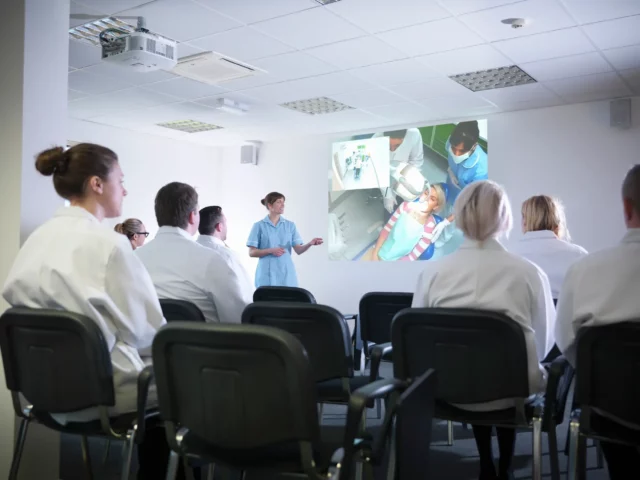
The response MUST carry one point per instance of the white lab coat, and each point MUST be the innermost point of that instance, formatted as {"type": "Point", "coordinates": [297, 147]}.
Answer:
{"type": "Point", "coordinates": [487, 277]}
{"type": "Point", "coordinates": [552, 255]}
{"type": "Point", "coordinates": [72, 262]}
{"type": "Point", "coordinates": [233, 259]}
{"type": "Point", "coordinates": [181, 269]}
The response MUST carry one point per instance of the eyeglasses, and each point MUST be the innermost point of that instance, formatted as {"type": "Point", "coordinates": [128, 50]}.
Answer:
{"type": "Point", "coordinates": [146, 234]}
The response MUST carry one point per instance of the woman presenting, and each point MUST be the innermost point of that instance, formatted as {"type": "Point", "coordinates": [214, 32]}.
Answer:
{"type": "Point", "coordinates": [271, 240]}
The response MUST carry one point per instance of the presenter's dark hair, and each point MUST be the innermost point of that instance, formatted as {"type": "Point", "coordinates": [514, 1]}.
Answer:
{"type": "Point", "coordinates": [272, 198]}
{"type": "Point", "coordinates": [72, 169]}
{"type": "Point", "coordinates": [174, 203]}
{"type": "Point", "coordinates": [399, 134]}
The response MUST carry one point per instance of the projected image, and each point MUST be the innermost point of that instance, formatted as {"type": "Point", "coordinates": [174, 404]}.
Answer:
{"type": "Point", "coordinates": [360, 164]}
{"type": "Point", "coordinates": [411, 218]}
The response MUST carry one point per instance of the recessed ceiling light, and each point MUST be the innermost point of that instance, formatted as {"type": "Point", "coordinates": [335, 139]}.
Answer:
{"type": "Point", "coordinates": [316, 106]}
{"type": "Point", "coordinates": [189, 126]}
{"type": "Point", "coordinates": [89, 32]}
{"type": "Point", "coordinates": [493, 78]}
{"type": "Point", "coordinates": [326, 2]}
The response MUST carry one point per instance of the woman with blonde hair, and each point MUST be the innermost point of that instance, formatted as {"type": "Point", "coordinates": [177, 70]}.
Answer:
{"type": "Point", "coordinates": [134, 230]}
{"type": "Point", "coordinates": [482, 274]}
{"type": "Point", "coordinates": [546, 241]}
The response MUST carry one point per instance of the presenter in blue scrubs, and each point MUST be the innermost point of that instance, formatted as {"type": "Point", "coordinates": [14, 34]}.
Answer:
{"type": "Point", "coordinates": [271, 241]}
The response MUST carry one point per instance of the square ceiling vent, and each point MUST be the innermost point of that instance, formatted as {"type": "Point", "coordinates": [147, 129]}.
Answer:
{"type": "Point", "coordinates": [89, 32]}
{"type": "Point", "coordinates": [213, 68]}
{"type": "Point", "coordinates": [493, 78]}
{"type": "Point", "coordinates": [317, 106]}
{"type": "Point", "coordinates": [189, 126]}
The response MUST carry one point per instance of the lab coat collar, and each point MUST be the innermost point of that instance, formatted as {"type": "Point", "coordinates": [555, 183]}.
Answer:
{"type": "Point", "coordinates": [214, 240]}
{"type": "Point", "coordinates": [174, 231]}
{"type": "Point", "coordinates": [268, 220]}
{"type": "Point", "coordinates": [632, 236]}
{"type": "Point", "coordinates": [76, 212]}
{"type": "Point", "coordinates": [539, 234]}
{"type": "Point", "coordinates": [491, 244]}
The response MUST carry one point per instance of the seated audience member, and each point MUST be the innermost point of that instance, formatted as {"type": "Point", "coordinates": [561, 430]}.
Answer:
{"type": "Point", "coordinates": [546, 240]}
{"type": "Point", "coordinates": [134, 230]}
{"type": "Point", "coordinates": [483, 275]}
{"type": "Point", "coordinates": [602, 289]}
{"type": "Point", "coordinates": [183, 270]}
{"type": "Point", "coordinates": [74, 263]}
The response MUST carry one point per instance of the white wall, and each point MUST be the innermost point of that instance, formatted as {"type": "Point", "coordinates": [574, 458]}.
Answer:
{"type": "Point", "coordinates": [149, 162]}
{"type": "Point", "coordinates": [568, 151]}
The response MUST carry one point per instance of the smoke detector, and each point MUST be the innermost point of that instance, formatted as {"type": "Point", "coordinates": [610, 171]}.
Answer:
{"type": "Point", "coordinates": [515, 22]}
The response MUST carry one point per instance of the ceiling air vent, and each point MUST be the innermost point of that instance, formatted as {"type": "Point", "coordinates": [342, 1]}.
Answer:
{"type": "Point", "coordinates": [213, 68]}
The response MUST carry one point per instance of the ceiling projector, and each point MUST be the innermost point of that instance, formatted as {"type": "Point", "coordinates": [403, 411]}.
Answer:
{"type": "Point", "coordinates": [141, 50]}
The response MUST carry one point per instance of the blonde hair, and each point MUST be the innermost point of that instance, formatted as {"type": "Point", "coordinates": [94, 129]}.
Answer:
{"type": "Point", "coordinates": [129, 227]}
{"type": "Point", "coordinates": [483, 211]}
{"type": "Point", "coordinates": [442, 198]}
{"type": "Point", "coordinates": [542, 212]}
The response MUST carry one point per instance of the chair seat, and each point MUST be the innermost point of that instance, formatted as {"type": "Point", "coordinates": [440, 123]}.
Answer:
{"type": "Point", "coordinates": [506, 417]}
{"type": "Point", "coordinates": [120, 424]}
{"type": "Point", "coordinates": [333, 391]}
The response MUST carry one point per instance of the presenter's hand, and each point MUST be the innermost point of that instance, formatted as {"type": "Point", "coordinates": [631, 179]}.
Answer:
{"type": "Point", "coordinates": [277, 252]}
{"type": "Point", "coordinates": [438, 229]}
{"type": "Point", "coordinates": [316, 241]}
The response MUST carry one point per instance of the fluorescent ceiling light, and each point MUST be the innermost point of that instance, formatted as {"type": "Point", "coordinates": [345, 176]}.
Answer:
{"type": "Point", "coordinates": [493, 78]}
{"type": "Point", "coordinates": [189, 126]}
{"type": "Point", "coordinates": [89, 32]}
{"type": "Point", "coordinates": [316, 106]}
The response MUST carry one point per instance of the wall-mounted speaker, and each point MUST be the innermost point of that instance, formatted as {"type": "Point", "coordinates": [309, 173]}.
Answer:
{"type": "Point", "coordinates": [620, 113]}
{"type": "Point", "coordinates": [249, 153]}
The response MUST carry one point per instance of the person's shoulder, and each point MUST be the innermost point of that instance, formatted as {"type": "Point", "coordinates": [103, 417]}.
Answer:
{"type": "Point", "coordinates": [519, 265]}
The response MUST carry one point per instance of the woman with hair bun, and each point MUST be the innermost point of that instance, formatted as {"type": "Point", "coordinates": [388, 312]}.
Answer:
{"type": "Point", "coordinates": [134, 230]}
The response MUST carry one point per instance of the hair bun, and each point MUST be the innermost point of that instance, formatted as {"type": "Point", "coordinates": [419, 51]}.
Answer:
{"type": "Point", "coordinates": [52, 161]}
{"type": "Point", "coordinates": [263, 201]}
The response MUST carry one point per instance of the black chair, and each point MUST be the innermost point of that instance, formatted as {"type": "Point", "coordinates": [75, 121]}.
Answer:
{"type": "Point", "coordinates": [242, 396]}
{"type": "Point", "coordinates": [283, 294]}
{"type": "Point", "coordinates": [480, 356]}
{"type": "Point", "coordinates": [180, 310]}
{"type": "Point", "coordinates": [60, 363]}
{"type": "Point", "coordinates": [324, 333]}
{"type": "Point", "coordinates": [607, 380]}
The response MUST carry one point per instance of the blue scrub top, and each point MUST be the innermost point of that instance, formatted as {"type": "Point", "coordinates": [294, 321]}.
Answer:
{"type": "Point", "coordinates": [275, 271]}
{"type": "Point", "coordinates": [474, 168]}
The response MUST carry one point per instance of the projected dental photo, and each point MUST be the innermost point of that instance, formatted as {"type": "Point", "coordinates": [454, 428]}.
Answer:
{"type": "Point", "coordinates": [360, 164]}
{"type": "Point", "coordinates": [411, 218]}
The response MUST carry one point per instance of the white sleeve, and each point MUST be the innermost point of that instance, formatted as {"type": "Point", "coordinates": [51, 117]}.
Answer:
{"type": "Point", "coordinates": [129, 286]}
{"type": "Point", "coordinates": [419, 296]}
{"type": "Point", "coordinates": [417, 148]}
{"type": "Point", "coordinates": [231, 288]}
{"type": "Point", "coordinates": [543, 315]}
{"type": "Point", "coordinates": [566, 325]}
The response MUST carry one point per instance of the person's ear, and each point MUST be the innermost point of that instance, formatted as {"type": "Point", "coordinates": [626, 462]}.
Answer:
{"type": "Point", "coordinates": [96, 184]}
{"type": "Point", "coordinates": [192, 218]}
{"type": "Point", "coordinates": [628, 209]}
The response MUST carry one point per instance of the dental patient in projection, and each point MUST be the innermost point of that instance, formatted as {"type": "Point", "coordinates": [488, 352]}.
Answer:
{"type": "Point", "coordinates": [407, 235]}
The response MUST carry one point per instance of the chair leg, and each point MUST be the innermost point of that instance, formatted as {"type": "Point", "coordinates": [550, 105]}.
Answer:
{"type": "Point", "coordinates": [599, 456]}
{"type": "Point", "coordinates": [379, 408]}
{"type": "Point", "coordinates": [86, 457]}
{"type": "Point", "coordinates": [211, 471]}
{"type": "Point", "coordinates": [449, 433]}
{"type": "Point", "coordinates": [17, 453]}
{"type": "Point", "coordinates": [126, 459]}
{"type": "Point", "coordinates": [172, 469]}
{"type": "Point", "coordinates": [574, 470]}
{"type": "Point", "coordinates": [107, 449]}
{"type": "Point", "coordinates": [553, 452]}
{"type": "Point", "coordinates": [537, 449]}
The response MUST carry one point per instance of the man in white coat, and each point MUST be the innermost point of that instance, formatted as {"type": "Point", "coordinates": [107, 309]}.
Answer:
{"type": "Point", "coordinates": [184, 270]}
{"type": "Point", "coordinates": [602, 289]}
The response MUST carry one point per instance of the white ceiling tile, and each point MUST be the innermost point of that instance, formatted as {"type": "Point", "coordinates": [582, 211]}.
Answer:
{"type": "Point", "coordinates": [128, 75]}
{"type": "Point", "coordinates": [532, 104]}
{"type": "Point", "coordinates": [600, 83]}
{"type": "Point", "coordinates": [462, 105]}
{"type": "Point", "coordinates": [243, 43]}
{"type": "Point", "coordinates": [471, 59]}
{"type": "Point", "coordinates": [94, 84]}
{"type": "Point", "coordinates": [521, 93]}
{"type": "Point", "coordinates": [258, 112]}
{"type": "Point", "coordinates": [544, 16]}
{"type": "Point", "coordinates": [185, 50]}
{"type": "Point", "coordinates": [358, 52]}
{"type": "Point", "coordinates": [174, 112]}
{"type": "Point", "coordinates": [566, 67]}
{"type": "Point", "coordinates": [615, 33]}
{"type": "Point", "coordinates": [432, 37]}
{"type": "Point", "coordinates": [590, 11]}
{"type": "Point", "coordinates": [322, 85]}
{"type": "Point", "coordinates": [624, 58]}
{"type": "Point", "coordinates": [381, 15]}
{"type": "Point", "coordinates": [82, 55]}
{"type": "Point", "coordinates": [75, 95]}
{"type": "Point", "coordinates": [405, 113]}
{"type": "Point", "coordinates": [161, 132]}
{"type": "Point", "coordinates": [561, 43]}
{"type": "Point", "coordinates": [251, 11]}
{"type": "Point", "coordinates": [309, 28]}
{"type": "Point", "coordinates": [369, 98]}
{"type": "Point", "coordinates": [258, 80]}
{"type": "Point", "coordinates": [393, 73]}
{"type": "Point", "coordinates": [140, 98]}
{"type": "Point", "coordinates": [632, 77]}
{"type": "Point", "coordinates": [93, 106]}
{"type": "Point", "coordinates": [289, 66]}
{"type": "Point", "coordinates": [85, 13]}
{"type": "Point", "coordinates": [429, 88]}
{"type": "Point", "coordinates": [109, 7]}
{"type": "Point", "coordinates": [460, 7]}
{"type": "Point", "coordinates": [182, 20]}
{"type": "Point", "coordinates": [185, 88]}
{"type": "Point", "coordinates": [129, 101]}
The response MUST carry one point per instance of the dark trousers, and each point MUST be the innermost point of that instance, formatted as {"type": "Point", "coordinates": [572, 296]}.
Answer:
{"type": "Point", "coordinates": [623, 462]}
{"type": "Point", "coordinates": [153, 455]}
{"type": "Point", "coordinates": [506, 446]}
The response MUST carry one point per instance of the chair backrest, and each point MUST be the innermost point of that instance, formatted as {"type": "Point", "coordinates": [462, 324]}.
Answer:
{"type": "Point", "coordinates": [235, 386]}
{"type": "Point", "coordinates": [58, 360]}
{"type": "Point", "coordinates": [376, 313]}
{"type": "Point", "coordinates": [479, 355]}
{"type": "Point", "coordinates": [180, 310]}
{"type": "Point", "coordinates": [321, 329]}
{"type": "Point", "coordinates": [283, 294]}
{"type": "Point", "coordinates": [608, 370]}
